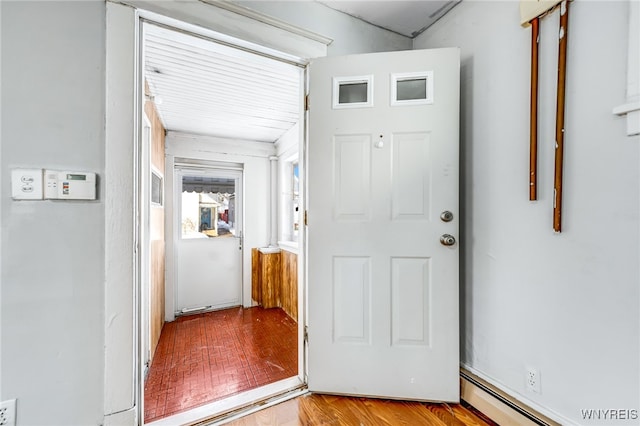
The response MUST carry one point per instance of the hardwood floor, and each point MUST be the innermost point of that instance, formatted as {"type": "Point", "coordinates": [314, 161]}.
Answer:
{"type": "Point", "coordinates": [205, 357]}
{"type": "Point", "coordinates": [317, 409]}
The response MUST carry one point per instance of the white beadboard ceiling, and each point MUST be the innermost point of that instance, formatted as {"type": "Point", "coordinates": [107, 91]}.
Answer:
{"type": "Point", "coordinates": [203, 87]}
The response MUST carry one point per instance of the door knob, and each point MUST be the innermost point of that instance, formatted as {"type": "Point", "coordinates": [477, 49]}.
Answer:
{"type": "Point", "coordinates": [447, 240]}
{"type": "Point", "coordinates": [446, 216]}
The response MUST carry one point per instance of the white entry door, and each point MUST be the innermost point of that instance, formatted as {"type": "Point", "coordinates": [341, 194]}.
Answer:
{"type": "Point", "coordinates": [382, 169]}
{"type": "Point", "coordinates": [209, 240]}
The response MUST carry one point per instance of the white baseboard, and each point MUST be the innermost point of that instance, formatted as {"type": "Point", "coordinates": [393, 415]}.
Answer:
{"type": "Point", "coordinates": [501, 405]}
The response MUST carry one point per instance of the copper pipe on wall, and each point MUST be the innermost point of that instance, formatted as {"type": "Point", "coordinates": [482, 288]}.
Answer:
{"type": "Point", "coordinates": [533, 122]}
{"type": "Point", "coordinates": [560, 103]}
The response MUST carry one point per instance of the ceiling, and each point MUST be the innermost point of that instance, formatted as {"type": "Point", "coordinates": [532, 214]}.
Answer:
{"type": "Point", "coordinates": [202, 87]}
{"type": "Point", "coordinates": [409, 18]}
{"type": "Point", "coordinates": [206, 88]}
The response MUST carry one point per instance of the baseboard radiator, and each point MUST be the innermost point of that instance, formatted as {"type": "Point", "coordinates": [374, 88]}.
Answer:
{"type": "Point", "coordinates": [498, 405]}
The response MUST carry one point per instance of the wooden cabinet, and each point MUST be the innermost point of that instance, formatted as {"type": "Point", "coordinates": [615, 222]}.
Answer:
{"type": "Point", "coordinates": [274, 280]}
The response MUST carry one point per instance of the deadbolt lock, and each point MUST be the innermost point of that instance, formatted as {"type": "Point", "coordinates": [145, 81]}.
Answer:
{"type": "Point", "coordinates": [447, 240]}
{"type": "Point", "coordinates": [446, 216]}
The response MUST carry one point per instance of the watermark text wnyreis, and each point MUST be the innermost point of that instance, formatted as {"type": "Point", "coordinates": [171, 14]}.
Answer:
{"type": "Point", "coordinates": [609, 414]}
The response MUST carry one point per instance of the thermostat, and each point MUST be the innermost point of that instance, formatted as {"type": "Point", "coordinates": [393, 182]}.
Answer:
{"type": "Point", "coordinates": [69, 185]}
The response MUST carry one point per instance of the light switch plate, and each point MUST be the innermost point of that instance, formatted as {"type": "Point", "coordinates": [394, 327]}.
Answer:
{"type": "Point", "coordinates": [26, 184]}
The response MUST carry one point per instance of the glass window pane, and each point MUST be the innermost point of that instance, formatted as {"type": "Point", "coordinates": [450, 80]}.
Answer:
{"type": "Point", "coordinates": [208, 207]}
{"type": "Point", "coordinates": [352, 93]}
{"type": "Point", "coordinates": [156, 188]}
{"type": "Point", "coordinates": [411, 89]}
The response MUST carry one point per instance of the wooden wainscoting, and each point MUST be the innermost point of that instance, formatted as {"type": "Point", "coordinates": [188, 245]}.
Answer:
{"type": "Point", "coordinates": [274, 280]}
{"type": "Point", "coordinates": [157, 246]}
{"type": "Point", "coordinates": [289, 288]}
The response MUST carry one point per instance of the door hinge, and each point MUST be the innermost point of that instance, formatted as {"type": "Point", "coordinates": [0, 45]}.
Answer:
{"type": "Point", "coordinates": [306, 218]}
{"type": "Point", "coordinates": [306, 102]}
{"type": "Point", "coordinates": [306, 333]}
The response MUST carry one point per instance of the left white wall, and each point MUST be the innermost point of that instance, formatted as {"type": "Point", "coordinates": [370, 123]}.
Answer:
{"type": "Point", "coordinates": [52, 289]}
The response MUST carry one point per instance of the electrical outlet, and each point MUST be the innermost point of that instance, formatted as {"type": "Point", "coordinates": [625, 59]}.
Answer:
{"type": "Point", "coordinates": [8, 413]}
{"type": "Point", "coordinates": [532, 380]}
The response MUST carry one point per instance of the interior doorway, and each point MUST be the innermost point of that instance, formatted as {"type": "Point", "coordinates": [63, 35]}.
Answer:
{"type": "Point", "coordinates": [208, 248]}
{"type": "Point", "coordinates": [230, 124]}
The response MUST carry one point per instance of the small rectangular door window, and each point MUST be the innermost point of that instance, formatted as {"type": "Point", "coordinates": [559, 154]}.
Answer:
{"type": "Point", "coordinates": [353, 92]}
{"type": "Point", "coordinates": [412, 88]}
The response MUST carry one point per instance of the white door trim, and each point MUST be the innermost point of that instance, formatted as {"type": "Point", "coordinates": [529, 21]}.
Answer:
{"type": "Point", "coordinates": [257, 31]}
{"type": "Point", "coordinates": [122, 115]}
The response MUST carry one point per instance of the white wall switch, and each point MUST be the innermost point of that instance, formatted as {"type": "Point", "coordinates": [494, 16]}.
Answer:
{"type": "Point", "coordinates": [26, 184]}
{"type": "Point", "coordinates": [8, 413]}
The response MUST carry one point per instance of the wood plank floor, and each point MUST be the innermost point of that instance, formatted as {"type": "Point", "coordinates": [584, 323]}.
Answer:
{"type": "Point", "coordinates": [317, 409]}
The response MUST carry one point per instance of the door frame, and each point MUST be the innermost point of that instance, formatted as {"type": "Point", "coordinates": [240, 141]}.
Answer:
{"type": "Point", "coordinates": [124, 379]}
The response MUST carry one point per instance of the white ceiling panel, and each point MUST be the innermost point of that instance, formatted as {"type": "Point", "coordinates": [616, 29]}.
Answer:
{"type": "Point", "coordinates": [206, 88]}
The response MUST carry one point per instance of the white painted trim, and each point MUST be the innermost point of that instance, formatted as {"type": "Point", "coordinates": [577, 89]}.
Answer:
{"type": "Point", "coordinates": [234, 402]}
{"type": "Point", "coordinates": [170, 235]}
{"type": "Point", "coordinates": [496, 405]}
{"type": "Point", "coordinates": [212, 21]}
{"type": "Point", "coordinates": [273, 200]}
{"type": "Point", "coordinates": [626, 108]}
{"type": "Point", "coordinates": [120, 136]}
{"type": "Point", "coordinates": [261, 17]}
{"type": "Point", "coordinates": [216, 145]}
{"type": "Point", "coordinates": [632, 112]}
{"type": "Point", "coordinates": [127, 417]}
{"type": "Point", "coordinates": [542, 410]}
{"type": "Point", "coordinates": [289, 246]}
{"type": "Point", "coordinates": [631, 108]}
{"type": "Point", "coordinates": [122, 387]}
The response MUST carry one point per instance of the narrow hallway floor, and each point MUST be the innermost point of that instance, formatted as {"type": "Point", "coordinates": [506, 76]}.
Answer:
{"type": "Point", "coordinates": [206, 357]}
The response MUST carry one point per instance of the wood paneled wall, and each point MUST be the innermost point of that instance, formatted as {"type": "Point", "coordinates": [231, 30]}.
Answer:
{"type": "Point", "coordinates": [289, 289]}
{"type": "Point", "coordinates": [157, 246]}
{"type": "Point", "coordinates": [274, 280]}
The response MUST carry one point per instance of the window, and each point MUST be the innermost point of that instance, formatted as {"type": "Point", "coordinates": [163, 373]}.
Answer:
{"type": "Point", "coordinates": [157, 188]}
{"type": "Point", "coordinates": [208, 207]}
{"type": "Point", "coordinates": [353, 92]}
{"type": "Point", "coordinates": [295, 191]}
{"type": "Point", "coordinates": [289, 199]}
{"type": "Point", "coordinates": [412, 88]}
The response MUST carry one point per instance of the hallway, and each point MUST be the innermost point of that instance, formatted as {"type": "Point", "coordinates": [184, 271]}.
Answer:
{"type": "Point", "coordinates": [206, 357]}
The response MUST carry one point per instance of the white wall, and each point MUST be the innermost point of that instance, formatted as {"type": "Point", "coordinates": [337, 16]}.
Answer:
{"type": "Point", "coordinates": [255, 159]}
{"type": "Point", "coordinates": [52, 299]}
{"type": "Point", "coordinates": [566, 304]}
{"type": "Point", "coordinates": [350, 35]}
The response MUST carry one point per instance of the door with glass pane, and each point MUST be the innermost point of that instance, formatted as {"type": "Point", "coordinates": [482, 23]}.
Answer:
{"type": "Point", "coordinates": [209, 243]}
